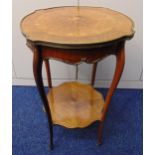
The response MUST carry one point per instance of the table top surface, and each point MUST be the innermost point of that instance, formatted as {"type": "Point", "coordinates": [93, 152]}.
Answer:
{"type": "Point", "coordinates": [76, 26]}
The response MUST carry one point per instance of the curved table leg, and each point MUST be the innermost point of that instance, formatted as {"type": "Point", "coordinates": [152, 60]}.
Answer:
{"type": "Point", "coordinates": [94, 73]}
{"type": "Point", "coordinates": [37, 70]}
{"type": "Point", "coordinates": [47, 65]}
{"type": "Point", "coordinates": [120, 56]}
{"type": "Point", "coordinates": [77, 71]}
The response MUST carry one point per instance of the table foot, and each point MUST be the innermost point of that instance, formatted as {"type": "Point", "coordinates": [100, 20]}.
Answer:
{"type": "Point", "coordinates": [51, 147]}
{"type": "Point", "coordinates": [99, 143]}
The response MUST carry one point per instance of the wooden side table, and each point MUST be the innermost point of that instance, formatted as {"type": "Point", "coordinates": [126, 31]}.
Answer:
{"type": "Point", "coordinates": [74, 35]}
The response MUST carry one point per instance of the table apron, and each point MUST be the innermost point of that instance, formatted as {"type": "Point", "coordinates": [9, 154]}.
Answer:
{"type": "Point", "coordinates": [77, 56]}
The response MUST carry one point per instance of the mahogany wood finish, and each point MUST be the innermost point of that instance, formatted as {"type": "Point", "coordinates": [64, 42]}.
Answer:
{"type": "Point", "coordinates": [47, 65]}
{"type": "Point", "coordinates": [120, 57]}
{"type": "Point", "coordinates": [75, 57]}
{"type": "Point", "coordinates": [73, 36]}
{"type": "Point", "coordinates": [94, 73]}
{"type": "Point", "coordinates": [37, 70]}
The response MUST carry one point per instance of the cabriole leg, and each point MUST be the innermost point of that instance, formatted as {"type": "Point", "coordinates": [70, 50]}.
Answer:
{"type": "Point", "coordinates": [47, 65]}
{"type": "Point", "coordinates": [94, 73]}
{"type": "Point", "coordinates": [37, 70]}
{"type": "Point", "coordinates": [120, 61]}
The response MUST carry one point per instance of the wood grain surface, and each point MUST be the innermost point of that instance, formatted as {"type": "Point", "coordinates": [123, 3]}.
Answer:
{"type": "Point", "coordinates": [69, 25]}
{"type": "Point", "coordinates": [75, 105]}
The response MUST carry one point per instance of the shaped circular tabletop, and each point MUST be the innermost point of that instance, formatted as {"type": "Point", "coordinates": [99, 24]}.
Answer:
{"type": "Point", "coordinates": [76, 25]}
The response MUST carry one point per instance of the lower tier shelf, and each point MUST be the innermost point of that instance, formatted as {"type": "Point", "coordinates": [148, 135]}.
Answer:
{"type": "Point", "coordinates": [75, 105]}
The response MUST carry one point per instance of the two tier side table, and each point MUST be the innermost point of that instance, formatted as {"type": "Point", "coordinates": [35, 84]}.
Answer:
{"type": "Point", "coordinates": [75, 35]}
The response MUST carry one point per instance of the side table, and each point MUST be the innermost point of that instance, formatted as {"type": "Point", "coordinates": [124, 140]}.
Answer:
{"type": "Point", "coordinates": [74, 35]}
